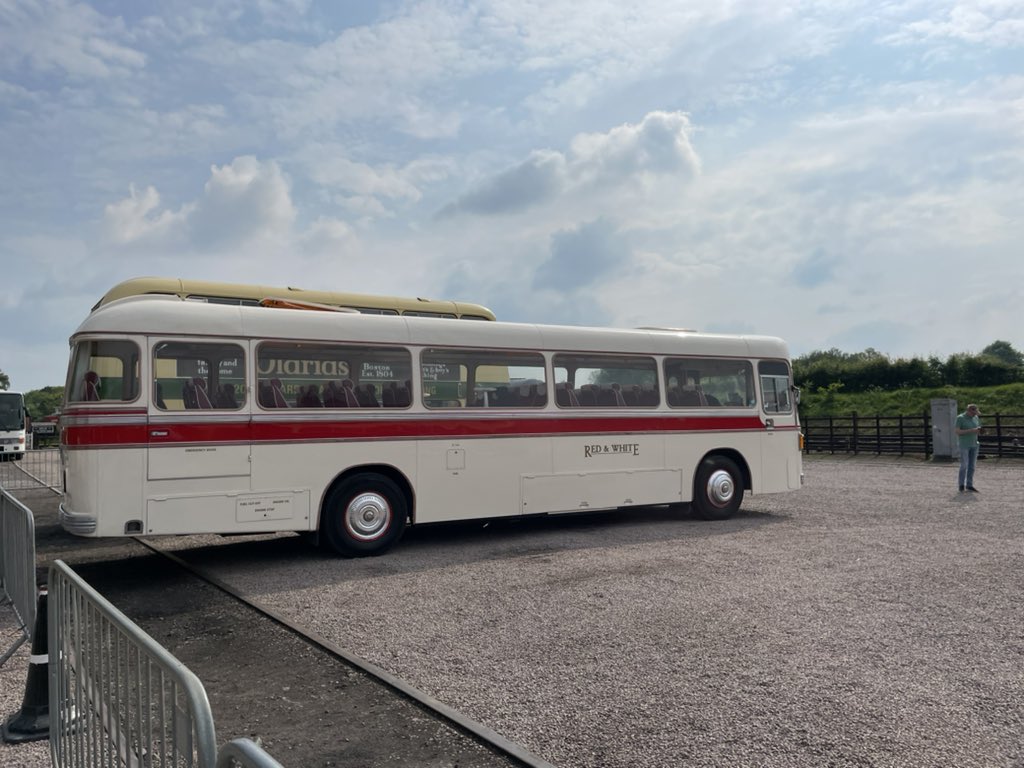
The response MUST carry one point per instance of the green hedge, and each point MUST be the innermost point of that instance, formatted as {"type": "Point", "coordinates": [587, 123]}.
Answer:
{"type": "Point", "coordinates": [1008, 398]}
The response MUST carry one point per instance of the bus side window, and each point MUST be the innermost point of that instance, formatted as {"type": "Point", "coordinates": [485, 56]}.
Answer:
{"type": "Point", "coordinates": [707, 382]}
{"type": "Point", "coordinates": [598, 380]}
{"type": "Point", "coordinates": [775, 386]}
{"type": "Point", "coordinates": [482, 378]}
{"type": "Point", "coordinates": [104, 370]}
{"type": "Point", "coordinates": [323, 374]}
{"type": "Point", "coordinates": [191, 375]}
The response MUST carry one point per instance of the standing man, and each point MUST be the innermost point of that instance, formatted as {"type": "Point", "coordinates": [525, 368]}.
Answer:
{"type": "Point", "coordinates": [968, 427]}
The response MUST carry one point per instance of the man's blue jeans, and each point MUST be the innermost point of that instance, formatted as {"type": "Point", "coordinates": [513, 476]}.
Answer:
{"type": "Point", "coordinates": [968, 458]}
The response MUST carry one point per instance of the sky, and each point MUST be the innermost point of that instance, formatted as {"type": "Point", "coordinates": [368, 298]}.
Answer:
{"type": "Point", "coordinates": [844, 174]}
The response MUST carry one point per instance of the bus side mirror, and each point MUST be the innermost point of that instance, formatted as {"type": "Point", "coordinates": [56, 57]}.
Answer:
{"type": "Point", "coordinates": [796, 394]}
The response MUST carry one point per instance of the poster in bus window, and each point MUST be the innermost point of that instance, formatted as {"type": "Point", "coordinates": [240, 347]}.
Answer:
{"type": "Point", "coordinates": [441, 372]}
{"type": "Point", "coordinates": [380, 372]}
{"type": "Point", "coordinates": [227, 369]}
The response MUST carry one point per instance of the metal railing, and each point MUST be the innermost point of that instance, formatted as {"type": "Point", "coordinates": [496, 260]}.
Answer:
{"type": "Point", "coordinates": [244, 753]}
{"type": "Point", "coordinates": [18, 565]}
{"type": "Point", "coordinates": [117, 697]}
{"type": "Point", "coordinates": [38, 468]}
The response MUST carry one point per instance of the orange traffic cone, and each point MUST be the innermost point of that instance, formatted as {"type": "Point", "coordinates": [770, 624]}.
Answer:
{"type": "Point", "coordinates": [32, 722]}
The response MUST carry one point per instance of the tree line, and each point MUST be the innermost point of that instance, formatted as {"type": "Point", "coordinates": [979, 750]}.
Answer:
{"type": "Point", "coordinates": [830, 370]}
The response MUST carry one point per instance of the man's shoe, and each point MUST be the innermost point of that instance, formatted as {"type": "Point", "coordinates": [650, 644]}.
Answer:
{"type": "Point", "coordinates": [972, 489]}
{"type": "Point", "coordinates": [961, 489]}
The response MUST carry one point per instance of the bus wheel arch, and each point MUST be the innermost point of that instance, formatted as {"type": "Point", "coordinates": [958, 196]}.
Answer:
{"type": "Point", "coordinates": [718, 484]}
{"type": "Point", "coordinates": [365, 510]}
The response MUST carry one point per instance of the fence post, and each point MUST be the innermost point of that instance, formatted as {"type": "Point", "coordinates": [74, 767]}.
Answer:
{"type": "Point", "coordinates": [831, 435]}
{"type": "Point", "coordinates": [999, 437]}
{"type": "Point", "coordinates": [927, 433]}
{"type": "Point", "coordinates": [878, 434]}
{"type": "Point", "coordinates": [902, 446]}
{"type": "Point", "coordinates": [856, 434]}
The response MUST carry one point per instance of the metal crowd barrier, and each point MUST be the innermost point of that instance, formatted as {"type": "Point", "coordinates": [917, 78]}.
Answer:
{"type": "Point", "coordinates": [117, 697]}
{"type": "Point", "coordinates": [38, 468]}
{"type": "Point", "coordinates": [18, 565]}
{"type": "Point", "coordinates": [244, 753]}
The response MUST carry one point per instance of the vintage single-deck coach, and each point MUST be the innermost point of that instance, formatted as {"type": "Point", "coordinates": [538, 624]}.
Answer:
{"type": "Point", "coordinates": [186, 417]}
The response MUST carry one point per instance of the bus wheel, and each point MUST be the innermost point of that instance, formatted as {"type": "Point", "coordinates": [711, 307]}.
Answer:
{"type": "Point", "coordinates": [364, 515]}
{"type": "Point", "coordinates": [718, 489]}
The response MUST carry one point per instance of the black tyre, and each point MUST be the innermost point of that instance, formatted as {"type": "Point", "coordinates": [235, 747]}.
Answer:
{"type": "Point", "coordinates": [718, 488]}
{"type": "Point", "coordinates": [365, 515]}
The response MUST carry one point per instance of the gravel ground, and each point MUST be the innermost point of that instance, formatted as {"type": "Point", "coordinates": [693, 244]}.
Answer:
{"type": "Point", "coordinates": [873, 618]}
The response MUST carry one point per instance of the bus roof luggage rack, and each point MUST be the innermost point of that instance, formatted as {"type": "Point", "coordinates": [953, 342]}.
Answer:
{"type": "Point", "coordinates": [277, 303]}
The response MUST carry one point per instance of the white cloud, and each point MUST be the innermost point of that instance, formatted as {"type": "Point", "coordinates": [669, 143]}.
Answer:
{"type": "Point", "coordinates": [658, 146]}
{"type": "Point", "coordinates": [246, 200]}
{"type": "Point", "coordinates": [67, 38]}
{"type": "Point", "coordinates": [426, 69]}
{"type": "Point", "coordinates": [136, 218]}
{"type": "Point", "coordinates": [537, 179]}
{"type": "Point", "coordinates": [630, 156]}
{"type": "Point", "coordinates": [366, 191]}
{"type": "Point", "coordinates": [243, 201]}
{"type": "Point", "coordinates": [327, 237]}
{"type": "Point", "coordinates": [391, 72]}
{"type": "Point", "coordinates": [331, 168]}
{"type": "Point", "coordinates": [995, 23]}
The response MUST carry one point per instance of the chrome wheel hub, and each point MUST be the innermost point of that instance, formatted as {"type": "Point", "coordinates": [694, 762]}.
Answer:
{"type": "Point", "coordinates": [367, 516]}
{"type": "Point", "coordinates": [721, 488]}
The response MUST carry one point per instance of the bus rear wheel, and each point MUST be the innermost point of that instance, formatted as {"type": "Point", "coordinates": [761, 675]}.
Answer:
{"type": "Point", "coordinates": [718, 488]}
{"type": "Point", "coordinates": [365, 515]}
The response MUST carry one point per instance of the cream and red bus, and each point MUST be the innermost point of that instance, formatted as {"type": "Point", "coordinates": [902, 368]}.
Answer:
{"type": "Point", "coordinates": [186, 417]}
{"type": "Point", "coordinates": [252, 295]}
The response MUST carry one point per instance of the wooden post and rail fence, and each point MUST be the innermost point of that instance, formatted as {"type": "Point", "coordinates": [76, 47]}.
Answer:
{"type": "Point", "coordinates": [1002, 435]}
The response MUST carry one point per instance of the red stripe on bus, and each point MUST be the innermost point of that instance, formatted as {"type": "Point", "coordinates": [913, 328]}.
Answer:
{"type": "Point", "coordinates": [97, 435]}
